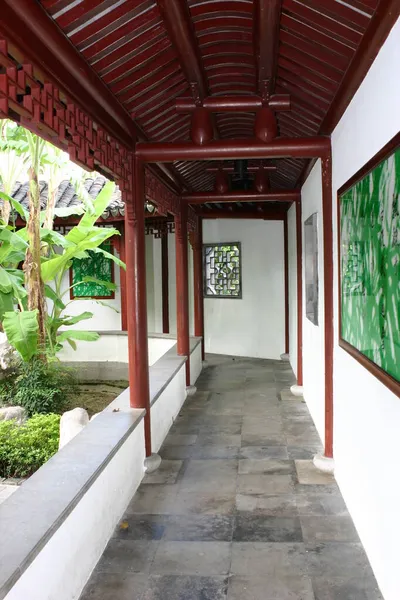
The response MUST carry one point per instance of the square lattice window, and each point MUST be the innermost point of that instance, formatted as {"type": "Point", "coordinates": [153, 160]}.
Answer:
{"type": "Point", "coordinates": [97, 266]}
{"type": "Point", "coordinates": [222, 270]}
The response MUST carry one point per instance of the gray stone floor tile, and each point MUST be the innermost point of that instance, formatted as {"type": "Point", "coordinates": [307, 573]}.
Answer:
{"type": "Point", "coordinates": [189, 587]}
{"type": "Point", "coordinates": [141, 527]}
{"type": "Point", "coordinates": [340, 561]}
{"type": "Point", "coordinates": [112, 586]}
{"type": "Point", "coordinates": [203, 503]}
{"type": "Point", "coordinates": [278, 506]}
{"type": "Point", "coordinates": [153, 499]}
{"type": "Point", "coordinates": [308, 474]}
{"type": "Point", "coordinates": [180, 440]}
{"type": "Point", "coordinates": [192, 558]}
{"type": "Point", "coordinates": [199, 528]}
{"type": "Point", "coordinates": [326, 528]}
{"type": "Point", "coordinates": [127, 556]}
{"type": "Point", "coordinates": [176, 452]}
{"type": "Point", "coordinates": [354, 588]}
{"type": "Point", "coordinates": [257, 559]}
{"type": "Point", "coordinates": [321, 504]}
{"type": "Point", "coordinates": [264, 484]}
{"type": "Point", "coordinates": [265, 465]}
{"type": "Point", "coordinates": [258, 452]}
{"type": "Point", "coordinates": [271, 588]}
{"type": "Point", "coordinates": [237, 509]}
{"type": "Point", "coordinates": [262, 528]}
{"type": "Point", "coordinates": [167, 472]}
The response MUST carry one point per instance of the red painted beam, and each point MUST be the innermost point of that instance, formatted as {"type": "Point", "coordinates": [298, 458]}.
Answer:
{"type": "Point", "coordinates": [278, 102]}
{"type": "Point", "coordinates": [299, 266]}
{"type": "Point", "coordinates": [226, 214]}
{"type": "Point", "coordinates": [266, 38]}
{"type": "Point", "coordinates": [327, 226]}
{"type": "Point", "coordinates": [182, 287]}
{"type": "Point", "coordinates": [286, 284]}
{"type": "Point", "coordinates": [210, 197]}
{"type": "Point", "coordinates": [310, 147]}
{"type": "Point", "coordinates": [165, 282]}
{"type": "Point", "coordinates": [250, 169]}
{"type": "Point", "coordinates": [178, 22]}
{"type": "Point", "coordinates": [135, 253]}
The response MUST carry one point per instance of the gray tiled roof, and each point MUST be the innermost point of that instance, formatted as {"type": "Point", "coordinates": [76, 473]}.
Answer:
{"type": "Point", "coordinates": [67, 197]}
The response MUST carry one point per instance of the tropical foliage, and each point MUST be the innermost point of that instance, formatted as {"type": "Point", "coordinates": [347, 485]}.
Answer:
{"type": "Point", "coordinates": [33, 305]}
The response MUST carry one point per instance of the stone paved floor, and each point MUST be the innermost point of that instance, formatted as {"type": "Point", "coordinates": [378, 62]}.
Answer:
{"type": "Point", "coordinates": [237, 510]}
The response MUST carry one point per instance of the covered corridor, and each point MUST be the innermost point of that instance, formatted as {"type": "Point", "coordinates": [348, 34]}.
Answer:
{"type": "Point", "coordinates": [236, 509]}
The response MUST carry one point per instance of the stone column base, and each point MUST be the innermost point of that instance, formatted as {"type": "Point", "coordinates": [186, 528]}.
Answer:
{"type": "Point", "coordinates": [151, 463]}
{"type": "Point", "coordinates": [191, 390]}
{"type": "Point", "coordinates": [297, 390]}
{"type": "Point", "coordinates": [285, 357]}
{"type": "Point", "coordinates": [324, 463]}
{"type": "Point", "coordinates": [204, 364]}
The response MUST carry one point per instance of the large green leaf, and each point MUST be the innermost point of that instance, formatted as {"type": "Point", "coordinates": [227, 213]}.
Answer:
{"type": "Point", "coordinates": [67, 320]}
{"type": "Point", "coordinates": [10, 242]}
{"type": "Point", "coordinates": [5, 281]}
{"type": "Point", "coordinates": [76, 334]}
{"type": "Point", "coordinates": [6, 303]}
{"type": "Point", "coordinates": [21, 210]}
{"type": "Point", "coordinates": [117, 261]}
{"type": "Point", "coordinates": [84, 239]}
{"type": "Point", "coordinates": [22, 331]}
{"type": "Point", "coordinates": [53, 237]}
{"type": "Point", "coordinates": [67, 211]}
{"type": "Point", "coordinates": [100, 204]}
{"type": "Point", "coordinates": [17, 279]}
{"type": "Point", "coordinates": [51, 294]}
{"type": "Point", "coordinates": [107, 284]}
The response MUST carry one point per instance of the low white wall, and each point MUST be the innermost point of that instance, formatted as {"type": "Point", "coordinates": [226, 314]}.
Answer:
{"type": "Point", "coordinates": [254, 325]}
{"type": "Point", "coordinates": [292, 267]}
{"type": "Point", "coordinates": [166, 408]}
{"type": "Point", "coordinates": [113, 348]}
{"type": "Point", "coordinates": [63, 566]}
{"type": "Point", "coordinates": [196, 364]}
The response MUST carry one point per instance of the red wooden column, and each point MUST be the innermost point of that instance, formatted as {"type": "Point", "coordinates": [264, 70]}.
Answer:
{"type": "Point", "coordinates": [122, 277]}
{"type": "Point", "coordinates": [326, 164]}
{"type": "Point", "coordinates": [299, 252]}
{"type": "Point", "coordinates": [135, 255]}
{"type": "Point", "coordinates": [198, 284]}
{"type": "Point", "coordinates": [286, 267]}
{"type": "Point", "coordinates": [165, 281]}
{"type": "Point", "coordinates": [182, 286]}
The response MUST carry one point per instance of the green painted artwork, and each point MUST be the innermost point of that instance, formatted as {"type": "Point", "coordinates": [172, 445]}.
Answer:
{"type": "Point", "coordinates": [370, 265]}
{"type": "Point", "coordinates": [97, 266]}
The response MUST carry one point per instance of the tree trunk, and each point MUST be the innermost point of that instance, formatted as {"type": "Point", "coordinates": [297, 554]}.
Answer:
{"type": "Point", "coordinates": [33, 281]}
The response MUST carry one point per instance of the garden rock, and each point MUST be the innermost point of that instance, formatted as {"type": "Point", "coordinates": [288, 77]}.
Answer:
{"type": "Point", "coordinates": [71, 423]}
{"type": "Point", "coordinates": [13, 412]}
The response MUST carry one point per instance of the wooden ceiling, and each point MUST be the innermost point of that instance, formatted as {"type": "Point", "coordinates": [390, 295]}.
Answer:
{"type": "Point", "coordinates": [128, 43]}
{"type": "Point", "coordinates": [128, 61]}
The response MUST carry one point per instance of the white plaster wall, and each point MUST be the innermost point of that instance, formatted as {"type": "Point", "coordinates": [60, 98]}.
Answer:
{"type": "Point", "coordinates": [113, 348]}
{"type": "Point", "coordinates": [64, 565]}
{"type": "Point", "coordinates": [292, 266]}
{"type": "Point", "coordinates": [150, 291]}
{"type": "Point", "coordinates": [172, 282]}
{"type": "Point", "coordinates": [366, 413]}
{"type": "Point", "coordinates": [157, 276]}
{"type": "Point", "coordinates": [166, 408]}
{"type": "Point", "coordinates": [196, 364]}
{"type": "Point", "coordinates": [254, 325]}
{"type": "Point", "coordinates": [313, 335]}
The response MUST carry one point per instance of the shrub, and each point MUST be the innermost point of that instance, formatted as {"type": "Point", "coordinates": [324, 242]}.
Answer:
{"type": "Point", "coordinates": [39, 387]}
{"type": "Point", "coordinates": [25, 448]}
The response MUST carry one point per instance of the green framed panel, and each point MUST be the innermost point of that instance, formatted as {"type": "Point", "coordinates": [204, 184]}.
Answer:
{"type": "Point", "coordinates": [97, 266]}
{"type": "Point", "coordinates": [369, 244]}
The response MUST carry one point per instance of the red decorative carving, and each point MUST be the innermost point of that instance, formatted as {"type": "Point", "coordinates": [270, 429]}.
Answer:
{"type": "Point", "coordinates": [42, 108]}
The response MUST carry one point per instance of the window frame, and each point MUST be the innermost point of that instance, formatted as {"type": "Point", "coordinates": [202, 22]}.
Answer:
{"type": "Point", "coordinates": [222, 296]}
{"type": "Point", "coordinates": [112, 292]}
